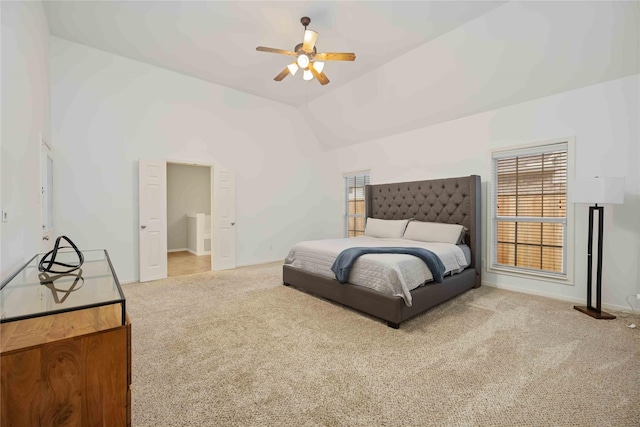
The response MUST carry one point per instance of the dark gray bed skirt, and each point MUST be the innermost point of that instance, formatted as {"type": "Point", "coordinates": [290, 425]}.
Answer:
{"type": "Point", "coordinates": [386, 307]}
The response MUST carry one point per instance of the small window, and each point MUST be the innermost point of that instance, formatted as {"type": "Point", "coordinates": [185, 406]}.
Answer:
{"type": "Point", "coordinates": [529, 210]}
{"type": "Point", "coordinates": [354, 195]}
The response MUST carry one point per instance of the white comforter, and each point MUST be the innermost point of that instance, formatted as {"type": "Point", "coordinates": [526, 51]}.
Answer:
{"type": "Point", "coordinates": [393, 274]}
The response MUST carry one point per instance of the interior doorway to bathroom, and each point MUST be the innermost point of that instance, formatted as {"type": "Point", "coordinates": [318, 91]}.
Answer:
{"type": "Point", "coordinates": [152, 214]}
{"type": "Point", "coordinates": [189, 219]}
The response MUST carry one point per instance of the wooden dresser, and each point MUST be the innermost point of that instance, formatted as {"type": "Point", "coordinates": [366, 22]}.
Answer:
{"type": "Point", "coordinates": [65, 347]}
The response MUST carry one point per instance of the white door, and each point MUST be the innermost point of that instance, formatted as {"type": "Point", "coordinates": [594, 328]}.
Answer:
{"type": "Point", "coordinates": [153, 220]}
{"type": "Point", "coordinates": [46, 196]}
{"type": "Point", "coordinates": [224, 219]}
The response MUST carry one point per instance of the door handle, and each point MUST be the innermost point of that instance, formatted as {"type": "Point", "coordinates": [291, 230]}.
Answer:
{"type": "Point", "coordinates": [45, 238]}
{"type": "Point", "coordinates": [143, 226]}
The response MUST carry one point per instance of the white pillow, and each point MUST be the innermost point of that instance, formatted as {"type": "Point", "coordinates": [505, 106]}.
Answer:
{"type": "Point", "coordinates": [386, 228]}
{"type": "Point", "coordinates": [435, 232]}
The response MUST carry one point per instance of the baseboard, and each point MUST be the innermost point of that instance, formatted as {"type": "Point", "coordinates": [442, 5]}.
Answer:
{"type": "Point", "coordinates": [259, 263]}
{"type": "Point", "coordinates": [192, 252]}
{"type": "Point", "coordinates": [574, 300]}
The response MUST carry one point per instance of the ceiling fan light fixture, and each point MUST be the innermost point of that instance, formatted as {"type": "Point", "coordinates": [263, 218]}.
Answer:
{"type": "Point", "coordinates": [307, 75]}
{"type": "Point", "coordinates": [293, 68]}
{"type": "Point", "coordinates": [303, 61]}
{"type": "Point", "coordinates": [310, 38]}
{"type": "Point", "coordinates": [307, 57]}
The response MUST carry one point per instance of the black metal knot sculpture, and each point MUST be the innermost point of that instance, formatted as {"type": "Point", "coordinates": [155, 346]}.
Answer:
{"type": "Point", "coordinates": [48, 261]}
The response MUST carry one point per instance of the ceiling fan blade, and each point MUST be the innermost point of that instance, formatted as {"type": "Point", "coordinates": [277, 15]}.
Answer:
{"type": "Point", "coordinates": [335, 56]}
{"type": "Point", "coordinates": [322, 78]}
{"type": "Point", "coordinates": [284, 73]}
{"type": "Point", "coordinates": [309, 42]}
{"type": "Point", "coordinates": [279, 51]}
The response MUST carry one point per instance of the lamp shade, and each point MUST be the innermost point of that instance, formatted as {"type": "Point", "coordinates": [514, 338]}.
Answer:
{"type": "Point", "coordinates": [307, 75]}
{"type": "Point", "coordinates": [598, 190]}
{"type": "Point", "coordinates": [293, 68]}
{"type": "Point", "coordinates": [303, 61]}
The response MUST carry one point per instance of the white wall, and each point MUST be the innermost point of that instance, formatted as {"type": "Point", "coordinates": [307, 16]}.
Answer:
{"type": "Point", "coordinates": [519, 51]}
{"type": "Point", "coordinates": [604, 119]}
{"type": "Point", "coordinates": [25, 115]}
{"type": "Point", "coordinates": [188, 193]}
{"type": "Point", "coordinates": [109, 111]}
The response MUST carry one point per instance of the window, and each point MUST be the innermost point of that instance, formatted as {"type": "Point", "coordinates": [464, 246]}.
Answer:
{"type": "Point", "coordinates": [529, 210]}
{"type": "Point", "coordinates": [354, 203]}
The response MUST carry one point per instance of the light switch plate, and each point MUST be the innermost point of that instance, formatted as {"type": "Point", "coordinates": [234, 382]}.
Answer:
{"type": "Point", "coordinates": [5, 216]}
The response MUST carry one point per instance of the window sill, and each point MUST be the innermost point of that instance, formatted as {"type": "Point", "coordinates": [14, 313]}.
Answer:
{"type": "Point", "coordinates": [531, 275]}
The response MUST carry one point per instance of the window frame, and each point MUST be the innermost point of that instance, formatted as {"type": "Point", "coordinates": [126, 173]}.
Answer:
{"type": "Point", "coordinates": [568, 250]}
{"type": "Point", "coordinates": [345, 212]}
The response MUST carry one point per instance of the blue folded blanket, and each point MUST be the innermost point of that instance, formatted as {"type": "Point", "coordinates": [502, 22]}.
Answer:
{"type": "Point", "coordinates": [343, 263]}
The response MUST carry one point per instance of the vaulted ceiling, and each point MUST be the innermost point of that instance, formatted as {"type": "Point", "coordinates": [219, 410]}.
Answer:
{"type": "Point", "coordinates": [450, 58]}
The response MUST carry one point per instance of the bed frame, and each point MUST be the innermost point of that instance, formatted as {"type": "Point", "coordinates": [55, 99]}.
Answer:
{"type": "Point", "coordinates": [450, 200]}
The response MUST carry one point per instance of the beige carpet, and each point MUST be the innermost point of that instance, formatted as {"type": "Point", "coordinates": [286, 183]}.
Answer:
{"type": "Point", "coordinates": [236, 348]}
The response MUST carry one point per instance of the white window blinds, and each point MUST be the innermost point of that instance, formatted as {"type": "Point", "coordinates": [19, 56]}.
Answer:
{"type": "Point", "coordinates": [529, 209]}
{"type": "Point", "coordinates": [354, 202]}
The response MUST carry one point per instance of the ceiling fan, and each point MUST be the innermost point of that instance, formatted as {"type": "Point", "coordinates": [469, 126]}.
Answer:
{"type": "Point", "coordinates": [307, 57]}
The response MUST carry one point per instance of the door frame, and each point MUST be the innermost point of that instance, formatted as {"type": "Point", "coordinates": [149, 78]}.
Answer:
{"type": "Point", "coordinates": [47, 234]}
{"type": "Point", "coordinates": [162, 163]}
{"type": "Point", "coordinates": [211, 167]}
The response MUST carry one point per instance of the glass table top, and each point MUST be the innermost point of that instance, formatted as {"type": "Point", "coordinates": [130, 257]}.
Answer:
{"type": "Point", "coordinates": [31, 293]}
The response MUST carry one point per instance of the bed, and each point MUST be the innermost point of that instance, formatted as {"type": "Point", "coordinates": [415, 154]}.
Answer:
{"type": "Point", "coordinates": [450, 201]}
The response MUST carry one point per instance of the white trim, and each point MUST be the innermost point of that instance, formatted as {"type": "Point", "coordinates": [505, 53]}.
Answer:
{"type": "Point", "coordinates": [530, 274]}
{"type": "Point", "coordinates": [573, 300]}
{"type": "Point", "coordinates": [570, 218]}
{"type": "Point", "coordinates": [249, 264]}
{"type": "Point", "coordinates": [532, 148]}
{"type": "Point", "coordinates": [47, 152]}
{"type": "Point", "coordinates": [356, 173]}
{"type": "Point", "coordinates": [191, 251]}
{"type": "Point", "coordinates": [187, 162]}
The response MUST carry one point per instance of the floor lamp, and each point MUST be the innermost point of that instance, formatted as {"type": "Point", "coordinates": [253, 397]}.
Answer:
{"type": "Point", "coordinates": [596, 191]}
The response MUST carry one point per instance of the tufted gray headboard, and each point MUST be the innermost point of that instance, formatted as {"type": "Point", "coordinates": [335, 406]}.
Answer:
{"type": "Point", "coordinates": [449, 200]}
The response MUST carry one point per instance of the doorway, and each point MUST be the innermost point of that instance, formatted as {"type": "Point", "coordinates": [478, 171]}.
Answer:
{"type": "Point", "coordinates": [189, 219]}
{"type": "Point", "coordinates": [152, 237]}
